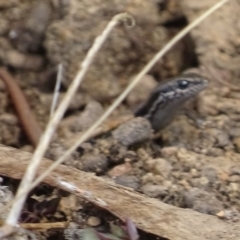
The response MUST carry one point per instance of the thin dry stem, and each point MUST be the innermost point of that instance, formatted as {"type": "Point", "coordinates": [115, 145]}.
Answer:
{"type": "Point", "coordinates": [56, 89]}
{"type": "Point", "coordinates": [21, 195]}
{"type": "Point", "coordinates": [41, 226]}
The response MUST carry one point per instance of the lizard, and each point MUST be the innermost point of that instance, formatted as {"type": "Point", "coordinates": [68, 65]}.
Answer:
{"type": "Point", "coordinates": [160, 108]}
{"type": "Point", "coordinates": [169, 97]}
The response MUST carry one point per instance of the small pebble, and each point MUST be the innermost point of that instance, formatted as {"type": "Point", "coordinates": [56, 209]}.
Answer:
{"type": "Point", "coordinates": [120, 169]}
{"type": "Point", "coordinates": [154, 190]}
{"type": "Point", "coordinates": [231, 215]}
{"type": "Point", "coordinates": [235, 170]}
{"type": "Point", "coordinates": [93, 163]}
{"type": "Point", "coordinates": [141, 92]}
{"type": "Point", "coordinates": [86, 119]}
{"type": "Point", "coordinates": [160, 166]}
{"type": "Point", "coordinates": [168, 151]}
{"type": "Point", "coordinates": [210, 173]}
{"type": "Point", "coordinates": [236, 142]}
{"type": "Point", "coordinates": [202, 201]}
{"type": "Point", "coordinates": [234, 132]}
{"type": "Point", "coordinates": [149, 177]}
{"type": "Point", "coordinates": [132, 132]}
{"type": "Point", "coordinates": [234, 186]}
{"type": "Point", "coordinates": [128, 181]}
{"type": "Point", "coordinates": [93, 221]}
{"type": "Point", "coordinates": [194, 173]}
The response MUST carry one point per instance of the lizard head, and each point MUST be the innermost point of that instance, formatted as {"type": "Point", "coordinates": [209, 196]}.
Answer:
{"type": "Point", "coordinates": [169, 96]}
{"type": "Point", "coordinates": [183, 87]}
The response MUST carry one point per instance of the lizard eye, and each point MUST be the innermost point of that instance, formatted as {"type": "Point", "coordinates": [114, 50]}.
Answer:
{"type": "Point", "coordinates": [183, 84]}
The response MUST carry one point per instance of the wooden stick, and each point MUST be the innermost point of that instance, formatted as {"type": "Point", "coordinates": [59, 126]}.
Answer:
{"type": "Point", "coordinates": [150, 215]}
{"type": "Point", "coordinates": [44, 226]}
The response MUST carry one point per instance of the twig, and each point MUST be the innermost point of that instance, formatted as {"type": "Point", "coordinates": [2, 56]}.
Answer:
{"type": "Point", "coordinates": [56, 89]}
{"type": "Point", "coordinates": [41, 226]}
{"type": "Point", "coordinates": [148, 214]}
{"type": "Point", "coordinates": [52, 125]}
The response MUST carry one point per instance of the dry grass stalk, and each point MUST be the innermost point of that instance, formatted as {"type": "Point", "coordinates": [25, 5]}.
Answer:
{"type": "Point", "coordinates": [56, 89]}
{"type": "Point", "coordinates": [21, 195]}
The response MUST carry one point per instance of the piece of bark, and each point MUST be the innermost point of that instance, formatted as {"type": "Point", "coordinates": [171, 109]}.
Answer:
{"type": "Point", "coordinates": [150, 215]}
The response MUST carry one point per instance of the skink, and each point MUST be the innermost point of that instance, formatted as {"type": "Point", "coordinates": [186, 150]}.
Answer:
{"type": "Point", "coordinates": [169, 97]}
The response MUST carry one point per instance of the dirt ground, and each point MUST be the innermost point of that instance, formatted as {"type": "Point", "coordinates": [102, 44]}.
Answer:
{"type": "Point", "coordinates": [193, 163]}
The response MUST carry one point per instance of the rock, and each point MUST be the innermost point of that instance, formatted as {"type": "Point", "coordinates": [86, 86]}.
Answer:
{"type": "Point", "coordinates": [168, 151]}
{"type": "Point", "coordinates": [91, 113]}
{"type": "Point", "coordinates": [215, 152]}
{"type": "Point", "coordinates": [69, 39]}
{"type": "Point", "coordinates": [202, 201]}
{"type": "Point", "coordinates": [93, 163]}
{"type": "Point", "coordinates": [5, 197]}
{"type": "Point", "coordinates": [236, 142]}
{"type": "Point", "coordinates": [167, 184]}
{"type": "Point", "coordinates": [56, 149]}
{"type": "Point", "coordinates": [234, 132]}
{"type": "Point", "coordinates": [73, 234]}
{"type": "Point", "coordinates": [128, 181]}
{"type": "Point", "coordinates": [234, 187]}
{"type": "Point", "coordinates": [234, 178]}
{"type": "Point", "coordinates": [201, 182]}
{"type": "Point", "coordinates": [22, 61]}
{"type": "Point", "coordinates": [149, 177]}
{"type": "Point", "coordinates": [210, 173]}
{"type": "Point", "coordinates": [9, 129]}
{"type": "Point", "coordinates": [159, 166]}
{"type": "Point", "coordinates": [194, 173]}
{"type": "Point", "coordinates": [9, 3]}
{"type": "Point", "coordinates": [117, 152]}
{"type": "Point", "coordinates": [93, 221]}
{"type": "Point", "coordinates": [207, 106]}
{"type": "Point", "coordinates": [230, 215]}
{"type": "Point", "coordinates": [120, 169]}
{"type": "Point", "coordinates": [234, 170]}
{"type": "Point", "coordinates": [221, 138]}
{"type": "Point", "coordinates": [132, 132]}
{"type": "Point", "coordinates": [210, 53]}
{"type": "Point", "coordinates": [141, 92]}
{"type": "Point", "coordinates": [79, 100]}
{"type": "Point", "coordinates": [154, 190]}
